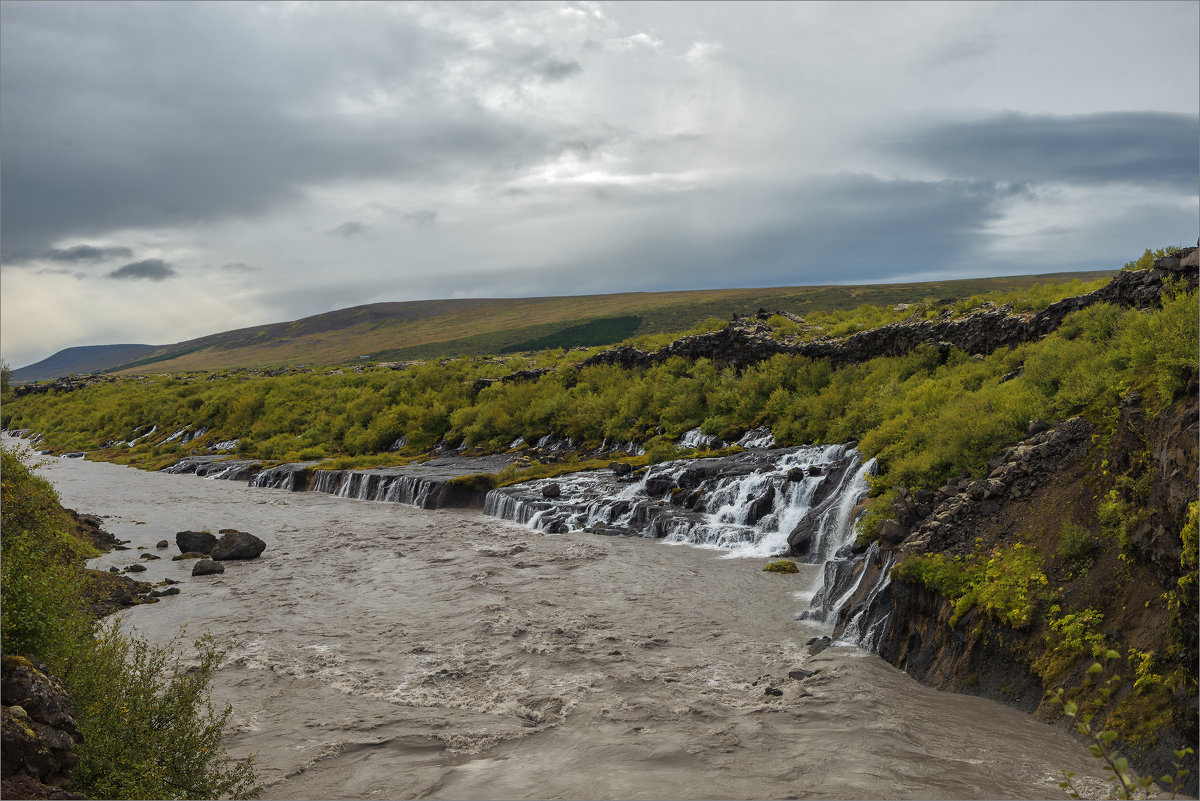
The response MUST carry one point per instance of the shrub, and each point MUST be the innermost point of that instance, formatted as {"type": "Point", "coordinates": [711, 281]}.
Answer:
{"type": "Point", "coordinates": [1075, 542]}
{"type": "Point", "coordinates": [148, 725]}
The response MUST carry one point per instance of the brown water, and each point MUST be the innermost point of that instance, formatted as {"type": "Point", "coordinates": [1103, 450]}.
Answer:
{"type": "Point", "coordinates": [382, 651]}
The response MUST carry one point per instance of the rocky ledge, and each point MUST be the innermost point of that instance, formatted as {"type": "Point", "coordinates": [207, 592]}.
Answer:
{"type": "Point", "coordinates": [748, 340]}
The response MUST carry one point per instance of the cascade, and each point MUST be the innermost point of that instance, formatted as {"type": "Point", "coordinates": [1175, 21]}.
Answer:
{"type": "Point", "coordinates": [751, 504]}
{"type": "Point", "coordinates": [799, 501]}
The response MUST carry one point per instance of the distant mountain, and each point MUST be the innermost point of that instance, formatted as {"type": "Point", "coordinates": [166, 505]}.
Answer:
{"type": "Point", "coordinates": [83, 359]}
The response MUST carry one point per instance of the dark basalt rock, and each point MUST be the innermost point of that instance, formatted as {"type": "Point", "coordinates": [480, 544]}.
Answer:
{"type": "Point", "coordinates": [38, 731]}
{"type": "Point", "coordinates": [760, 506]}
{"type": "Point", "coordinates": [552, 490]}
{"type": "Point", "coordinates": [70, 383]}
{"type": "Point", "coordinates": [238, 545]}
{"type": "Point", "coordinates": [891, 534]}
{"type": "Point", "coordinates": [207, 567]}
{"type": "Point", "coordinates": [621, 468]}
{"type": "Point", "coordinates": [195, 541]}
{"type": "Point", "coordinates": [748, 340]}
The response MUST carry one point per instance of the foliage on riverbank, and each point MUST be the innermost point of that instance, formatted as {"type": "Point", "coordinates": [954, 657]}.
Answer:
{"type": "Point", "coordinates": [923, 417]}
{"type": "Point", "coordinates": [148, 725]}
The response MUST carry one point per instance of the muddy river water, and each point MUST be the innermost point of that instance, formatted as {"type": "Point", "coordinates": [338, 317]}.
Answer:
{"type": "Point", "coordinates": [381, 651]}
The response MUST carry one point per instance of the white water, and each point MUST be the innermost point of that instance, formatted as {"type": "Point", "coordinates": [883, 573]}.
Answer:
{"type": "Point", "coordinates": [383, 651]}
{"type": "Point", "coordinates": [720, 518]}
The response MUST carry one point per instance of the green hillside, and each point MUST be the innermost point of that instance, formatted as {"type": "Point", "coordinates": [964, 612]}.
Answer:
{"type": "Point", "coordinates": [441, 328]}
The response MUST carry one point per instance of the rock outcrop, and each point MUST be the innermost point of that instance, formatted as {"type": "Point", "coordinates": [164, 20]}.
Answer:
{"type": "Point", "coordinates": [748, 340]}
{"type": "Point", "coordinates": [39, 731]}
{"type": "Point", "coordinates": [69, 383]}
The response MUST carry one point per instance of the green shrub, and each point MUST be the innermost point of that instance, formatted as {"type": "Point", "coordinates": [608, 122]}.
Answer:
{"type": "Point", "coordinates": [1003, 585]}
{"type": "Point", "coordinates": [1075, 542]}
{"type": "Point", "coordinates": [148, 725]}
{"type": "Point", "coordinates": [40, 580]}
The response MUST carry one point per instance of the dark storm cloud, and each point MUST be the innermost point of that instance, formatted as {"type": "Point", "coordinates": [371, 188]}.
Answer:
{"type": "Point", "coordinates": [147, 270]}
{"type": "Point", "coordinates": [209, 133]}
{"type": "Point", "coordinates": [1145, 148]}
{"type": "Point", "coordinates": [350, 229]}
{"type": "Point", "coordinates": [555, 70]}
{"type": "Point", "coordinates": [422, 218]}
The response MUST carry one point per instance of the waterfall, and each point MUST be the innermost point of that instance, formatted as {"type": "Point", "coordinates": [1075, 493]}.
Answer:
{"type": "Point", "coordinates": [750, 504]}
{"type": "Point", "coordinates": [799, 501]}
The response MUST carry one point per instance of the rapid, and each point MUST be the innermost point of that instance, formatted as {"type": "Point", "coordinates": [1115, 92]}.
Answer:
{"type": "Point", "coordinates": [380, 650]}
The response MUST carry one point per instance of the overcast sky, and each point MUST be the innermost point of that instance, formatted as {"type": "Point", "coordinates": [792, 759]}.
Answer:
{"type": "Point", "coordinates": [177, 169]}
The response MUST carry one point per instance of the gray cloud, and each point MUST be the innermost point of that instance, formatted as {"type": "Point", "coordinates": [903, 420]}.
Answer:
{"type": "Point", "coordinates": [421, 218]}
{"type": "Point", "coordinates": [350, 229]}
{"type": "Point", "coordinates": [210, 135]}
{"type": "Point", "coordinates": [555, 70]}
{"type": "Point", "coordinates": [88, 253]}
{"type": "Point", "coordinates": [240, 267]}
{"type": "Point", "coordinates": [148, 269]}
{"type": "Point", "coordinates": [1152, 148]}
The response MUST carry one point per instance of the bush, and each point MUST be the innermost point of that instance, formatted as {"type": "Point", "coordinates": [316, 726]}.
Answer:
{"type": "Point", "coordinates": [1075, 542]}
{"type": "Point", "coordinates": [39, 579]}
{"type": "Point", "coordinates": [148, 725]}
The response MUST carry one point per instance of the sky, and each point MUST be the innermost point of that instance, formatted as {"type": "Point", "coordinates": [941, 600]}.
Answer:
{"type": "Point", "coordinates": [170, 170]}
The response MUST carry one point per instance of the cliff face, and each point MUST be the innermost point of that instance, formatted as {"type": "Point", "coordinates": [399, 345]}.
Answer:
{"type": "Point", "coordinates": [1127, 495]}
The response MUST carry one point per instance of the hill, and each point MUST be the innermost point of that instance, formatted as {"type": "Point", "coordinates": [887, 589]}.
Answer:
{"type": "Point", "coordinates": [83, 359]}
{"type": "Point", "coordinates": [466, 327]}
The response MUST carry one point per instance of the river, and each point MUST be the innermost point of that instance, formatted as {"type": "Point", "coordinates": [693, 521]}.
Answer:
{"type": "Point", "coordinates": [382, 651]}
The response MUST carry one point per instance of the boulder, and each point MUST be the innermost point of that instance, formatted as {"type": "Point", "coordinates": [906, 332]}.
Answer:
{"type": "Point", "coordinates": [796, 474]}
{"type": "Point", "coordinates": [135, 568]}
{"type": "Point", "coordinates": [238, 545]}
{"type": "Point", "coordinates": [162, 544]}
{"type": "Point", "coordinates": [195, 541]}
{"type": "Point", "coordinates": [621, 468]}
{"type": "Point", "coordinates": [188, 555]}
{"type": "Point", "coordinates": [207, 567]}
{"type": "Point", "coordinates": [891, 534]}
{"type": "Point", "coordinates": [551, 490]}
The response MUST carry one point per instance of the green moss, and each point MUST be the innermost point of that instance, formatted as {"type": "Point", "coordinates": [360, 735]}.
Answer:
{"type": "Point", "coordinates": [782, 566]}
{"type": "Point", "coordinates": [476, 482]}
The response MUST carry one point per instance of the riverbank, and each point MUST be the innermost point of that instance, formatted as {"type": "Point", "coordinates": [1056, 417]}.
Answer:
{"type": "Point", "coordinates": [383, 650]}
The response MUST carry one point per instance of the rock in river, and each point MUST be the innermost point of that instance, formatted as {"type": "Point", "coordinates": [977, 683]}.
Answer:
{"type": "Point", "coordinates": [207, 567]}
{"type": "Point", "coordinates": [238, 545]}
{"type": "Point", "coordinates": [195, 541]}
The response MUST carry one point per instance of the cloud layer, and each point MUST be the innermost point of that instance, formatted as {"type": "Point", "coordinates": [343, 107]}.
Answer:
{"type": "Point", "coordinates": [280, 160]}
